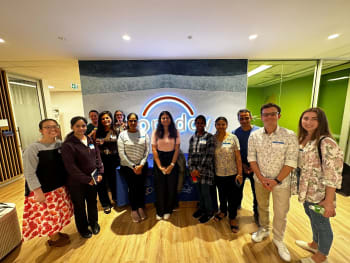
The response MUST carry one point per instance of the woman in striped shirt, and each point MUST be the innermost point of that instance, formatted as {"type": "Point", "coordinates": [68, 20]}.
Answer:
{"type": "Point", "coordinates": [133, 147]}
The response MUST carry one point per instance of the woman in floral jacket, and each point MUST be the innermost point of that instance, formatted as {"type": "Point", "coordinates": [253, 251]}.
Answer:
{"type": "Point", "coordinates": [319, 179]}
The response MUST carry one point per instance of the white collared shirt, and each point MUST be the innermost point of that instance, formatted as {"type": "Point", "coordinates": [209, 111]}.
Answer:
{"type": "Point", "coordinates": [273, 151]}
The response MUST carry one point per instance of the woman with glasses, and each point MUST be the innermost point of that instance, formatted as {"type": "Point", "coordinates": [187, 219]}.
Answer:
{"type": "Point", "coordinates": [228, 169]}
{"type": "Point", "coordinates": [321, 164]}
{"type": "Point", "coordinates": [165, 148]}
{"type": "Point", "coordinates": [106, 139]}
{"type": "Point", "coordinates": [82, 160]}
{"type": "Point", "coordinates": [119, 121]}
{"type": "Point", "coordinates": [133, 147]}
{"type": "Point", "coordinates": [47, 205]}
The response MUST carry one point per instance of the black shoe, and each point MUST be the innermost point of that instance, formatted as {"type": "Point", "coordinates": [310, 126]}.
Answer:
{"type": "Point", "coordinates": [86, 234]}
{"type": "Point", "coordinates": [197, 214]}
{"type": "Point", "coordinates": [107, 210]}
{"type": "Point", "coordinates": [205, 218]}
{"type": "Point", "coordinates": [95, 228]}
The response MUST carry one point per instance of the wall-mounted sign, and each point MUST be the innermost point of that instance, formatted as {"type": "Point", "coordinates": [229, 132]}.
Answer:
{"type": "Point", "coordinates": [74, 86]}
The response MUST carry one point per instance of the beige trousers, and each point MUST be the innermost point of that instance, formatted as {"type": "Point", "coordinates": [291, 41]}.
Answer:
{"type": "Point", "coordinates": [280, 197]}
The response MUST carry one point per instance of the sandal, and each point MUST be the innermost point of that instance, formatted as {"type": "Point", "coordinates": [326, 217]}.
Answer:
{"type": "Point", "coordinates": [61, 242]}
{"type": "Point", "coordinates": [219, 216]}
{"type": "Point", "coordinates": [234, 226]}
{"type": "Point", "coordinates": [63, 235]}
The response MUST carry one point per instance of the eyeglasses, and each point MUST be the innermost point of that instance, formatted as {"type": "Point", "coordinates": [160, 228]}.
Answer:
{"type": "Point", "coordinates": [272, 114]}
{"type": "Point", "coordinates": [51, 127]}
{"type": "Point", "coordinates": [132, 121]}
{"type": "Point", "coordinates": [244, 118]}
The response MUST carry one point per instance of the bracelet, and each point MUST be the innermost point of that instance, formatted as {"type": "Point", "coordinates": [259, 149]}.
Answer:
{"type": "Point", "coordinates": [172, 164]}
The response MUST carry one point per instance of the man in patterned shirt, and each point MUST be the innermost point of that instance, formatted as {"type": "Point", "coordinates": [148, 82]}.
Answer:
{"type": "Point", "coordinates": [201, 165]}
{"type": "Point", "coordinates": [272, 154]}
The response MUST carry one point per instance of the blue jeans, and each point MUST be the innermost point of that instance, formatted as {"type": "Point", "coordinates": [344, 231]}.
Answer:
{"type": "Point", "coordinates": [322, 233]}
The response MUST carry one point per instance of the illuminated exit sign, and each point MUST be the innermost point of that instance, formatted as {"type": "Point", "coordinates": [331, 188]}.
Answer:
{"type": "Point", "coordinates": [74, 86]}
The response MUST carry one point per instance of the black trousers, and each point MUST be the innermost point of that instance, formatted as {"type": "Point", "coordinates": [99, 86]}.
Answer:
{"type": "Point", "coordinates": [165, 184]}
{"type": "Point", "coordinates": [252, 184]}
{"type": "Point", "coordinates": [109, 179]}
{"type": "Point", "coordinates": [136, 184]}
{"type": "Point", "coordinates": [81, 194]}
{"type": "Point", "coordinates": [229, 195]}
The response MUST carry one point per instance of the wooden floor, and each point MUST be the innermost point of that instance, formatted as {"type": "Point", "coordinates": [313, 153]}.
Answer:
{"type": "Point", "coordinates": [181, 239]}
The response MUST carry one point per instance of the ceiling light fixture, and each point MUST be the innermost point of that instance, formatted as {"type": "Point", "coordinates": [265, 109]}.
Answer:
{"type": "Point", "coordinates": [51, 87]}
{"type": "Point", "coordinates": [251, 37]}
{"type": "Point", "coordinates": [126, 37]}
{"type": "Point", "coordinates": [2, 41]}
{"type": "Point", "coordinates": [333, 36]}
{"type": "Point", "coordinates": [339, 78]}
{"type": "Point", "coordinates": [258, 70]}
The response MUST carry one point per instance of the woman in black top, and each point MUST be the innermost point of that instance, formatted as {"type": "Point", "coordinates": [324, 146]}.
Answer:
{"type": "Point", "coordinates": [83, 163]}
{"type": "Point", "coordinates": [106, 139]}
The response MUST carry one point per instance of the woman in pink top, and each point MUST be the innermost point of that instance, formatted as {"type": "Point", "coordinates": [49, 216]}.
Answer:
{"type": "Point", "coordinates": [165, 148]}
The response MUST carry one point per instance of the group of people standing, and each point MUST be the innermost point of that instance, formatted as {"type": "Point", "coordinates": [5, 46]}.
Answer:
{"type": "Point", "coordinates": [66, 177]}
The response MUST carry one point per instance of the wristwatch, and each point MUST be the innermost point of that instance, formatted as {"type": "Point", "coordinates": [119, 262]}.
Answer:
{"type": "Point", "coordinates": [172, 164]}
{"type": "Point", "coordinates": [278, 181]}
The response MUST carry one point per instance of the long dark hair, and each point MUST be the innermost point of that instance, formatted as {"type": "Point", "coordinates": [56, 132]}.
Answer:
{"type": "Point", "coordinates": [160, 127]}
{"type": "Point", "coordinates": [321, 130]}
{"type": "Point", "coordinates": [100, 128]}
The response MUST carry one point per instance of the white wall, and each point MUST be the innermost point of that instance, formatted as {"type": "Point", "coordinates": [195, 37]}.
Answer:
{"type": "Point", "coordinates": [70, 104]}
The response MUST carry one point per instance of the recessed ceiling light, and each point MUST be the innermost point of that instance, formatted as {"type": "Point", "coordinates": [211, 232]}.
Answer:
{"type": "Point", "coordinates": [51, 87]}
{"type": "Point", "coordinates": [258, 69]}
{"type": "Point", "coordinates": [333, 36]}
{"type": "Point", "coordinates": [2, 41]}
{"type": "Point", "coordinates": [126, 37]}
{"type": "Point", "coordinates": [251, 37]}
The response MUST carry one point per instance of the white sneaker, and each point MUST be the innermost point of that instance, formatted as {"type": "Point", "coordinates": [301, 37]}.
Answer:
{"type": "Point", "coordinates": [158, 217]}
{"type": "Point", "coordinates": [260, 235]}
{"type": "Point", "coordinates": [282, 250]}
{"type": "Point", "coordinates": [305, 246]}
{"type": "Point", "coordinates": [166, 216]}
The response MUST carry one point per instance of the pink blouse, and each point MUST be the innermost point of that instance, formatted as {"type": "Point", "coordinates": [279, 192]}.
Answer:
{"type": "Point", "coordinates": [165, 144]}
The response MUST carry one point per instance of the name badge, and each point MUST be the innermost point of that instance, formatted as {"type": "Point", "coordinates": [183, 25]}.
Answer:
{"type": "Point", "coordinates": [91, 146]}
{"type": "Point", "coordinates": [226, 144]}
{"type": "Point", "coordinates": [278, 142]}
{"type": "Point", "coordinates": [202, 141]}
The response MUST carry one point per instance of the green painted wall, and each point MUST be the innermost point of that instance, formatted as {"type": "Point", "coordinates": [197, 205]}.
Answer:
{"type": "Point", "coordinates": [293, 96]}
{"type": "Point", "coordinates": [332, 98]}
{"type": "Point", "coordinates": [255, 98]}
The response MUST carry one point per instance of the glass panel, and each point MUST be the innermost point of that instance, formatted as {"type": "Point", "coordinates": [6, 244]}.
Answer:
{"type": "Point", "coordinates": [24, 97]}
{"type": "Point", "coordinates": [286, 83]}
{"type": "Point", "coordinates": [332, 93]}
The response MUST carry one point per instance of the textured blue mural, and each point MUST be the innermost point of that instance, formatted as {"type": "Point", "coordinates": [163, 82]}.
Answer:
{"type": "Point", "coordinates": [112, 76]}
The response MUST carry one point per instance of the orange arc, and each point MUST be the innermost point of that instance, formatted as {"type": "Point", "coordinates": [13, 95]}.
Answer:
{"type": "Point", "coordinates": [145, 111]}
